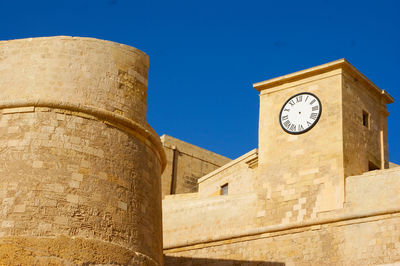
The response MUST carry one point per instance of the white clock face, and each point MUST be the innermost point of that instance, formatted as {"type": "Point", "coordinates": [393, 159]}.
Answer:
{"type": "Point", "coordinates": [300, 113]}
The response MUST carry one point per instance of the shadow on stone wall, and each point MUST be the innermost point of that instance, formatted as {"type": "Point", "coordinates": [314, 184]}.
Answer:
{"type": "Point", "coordinates": [187, 261]}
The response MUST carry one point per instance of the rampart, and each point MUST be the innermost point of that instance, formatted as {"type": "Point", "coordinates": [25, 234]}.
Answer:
{"type": "Point", "coordinates": [186, 163]}
{"type": "Point", "coordinates": [365, 232]}
{"type": "Point", "coordinates": [80, 167]}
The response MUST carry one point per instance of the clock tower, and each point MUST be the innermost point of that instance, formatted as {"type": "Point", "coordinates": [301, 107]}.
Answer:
{"type": "Point", "coordinates": [317, 126]}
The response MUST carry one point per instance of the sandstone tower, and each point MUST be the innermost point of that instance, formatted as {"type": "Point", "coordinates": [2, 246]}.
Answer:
{"type": "Point", "coordinates": [79, 165]}
{"type": "Point", "coordinates": [349, 139]}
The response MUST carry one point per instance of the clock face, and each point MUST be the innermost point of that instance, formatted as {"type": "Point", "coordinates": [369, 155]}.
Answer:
{"type": "Point", "coordinates": [300, 113]}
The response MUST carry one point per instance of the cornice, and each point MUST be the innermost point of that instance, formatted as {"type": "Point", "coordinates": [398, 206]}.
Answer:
{"type": "Point", "coordinates": [144, 133]}
{"type": "Point", "coordinates": [338, 64]}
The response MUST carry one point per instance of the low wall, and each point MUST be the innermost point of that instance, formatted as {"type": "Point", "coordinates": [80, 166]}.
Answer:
{"type": "Point", "coordinates": [373, 190]}
{"type": "Point", "coordinates": [366, 241]}
{"type": "Point", "coordinates": [204, 218]}
{"type": "Point", "coordinates": [365, 232]}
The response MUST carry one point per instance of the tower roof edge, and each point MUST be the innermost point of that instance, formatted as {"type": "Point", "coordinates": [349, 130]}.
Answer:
{"type": "Point", "coordinates": [337, 64]}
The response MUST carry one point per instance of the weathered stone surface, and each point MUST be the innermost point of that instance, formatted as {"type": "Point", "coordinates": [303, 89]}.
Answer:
{"type": "Point", "coordinates": [355, 242]}
{"type": "Point", "coordinates": [79, 165]}
{"type": "Point", "coordinates": [186, 163]}
{"type": "Point", "coordinates": [62, 250]}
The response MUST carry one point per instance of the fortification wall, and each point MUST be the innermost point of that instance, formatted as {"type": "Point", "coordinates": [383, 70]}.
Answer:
{"type": "Point", "coordinates": [363, 144]}
{"type": "Point", "coordinates": [201, 219]}
{"type": "Point", "coordinates": [79, 166]}
{"type": "Point", "coordinates": [206, 214]}
{"type": "Point", "coordinates": [365, 232]}
{"type": "Point", "coordinates": [237, 174]}
{"type": "Point", "coordinates": [369, 241]}
{"type": "Point", "coordinates": [373, 190]}
{"type": "Point", "coordinates": [186, 163]}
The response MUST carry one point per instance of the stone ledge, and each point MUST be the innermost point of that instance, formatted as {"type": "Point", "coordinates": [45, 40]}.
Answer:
{"type": "Point", "coordinates": [247, 158]}
{"type": "Point", "coordinates": [341, 63]}
{"type": "Point", "coordinates": [147, 135]}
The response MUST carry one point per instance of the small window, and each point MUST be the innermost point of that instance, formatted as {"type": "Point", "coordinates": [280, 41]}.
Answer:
{"type": "Point", "coordinates": [372, 166]}
{"type": "Point", "coordinates": [366, 119]}
{"type": "Point", "coordinates": [224, 189]}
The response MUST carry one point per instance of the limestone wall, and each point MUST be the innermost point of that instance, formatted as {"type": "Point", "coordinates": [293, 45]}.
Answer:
{"type": "Point", "coordinates": [200, 219]}
{"type": "Point", "coordinates": [373, 190]}
{"type": "Point", "coordinates": [365, 232]}
{"type": "Point", "coordinates": [83, 71]}
{"type": "Point", "coordinates": [238, 174]}
{"type": "Point", "coordinates": [363, 144]}
{"type": "Point", "coordinates": [186, 163]}
{"type": "Point", "coordinates": [79, 166]}
{"type": "Point", "coordinates": [371, 241]}
{"type": "Point", "coordinates": [206, 214]}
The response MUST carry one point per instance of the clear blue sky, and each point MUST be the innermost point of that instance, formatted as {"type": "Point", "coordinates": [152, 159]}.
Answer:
{"type": "Point", "coordinates": [205, 55]}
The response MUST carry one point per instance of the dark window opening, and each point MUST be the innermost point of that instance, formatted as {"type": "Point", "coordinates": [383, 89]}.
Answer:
{"type": "Point", "coordinates": [366, 119]}
{"type": "Point", "coordinates": [224, 189]}
{"type": "Point", "coordinates": [372, 166]}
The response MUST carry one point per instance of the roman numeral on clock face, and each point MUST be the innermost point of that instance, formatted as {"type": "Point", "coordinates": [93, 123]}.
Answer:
{"type": "Point", "coordinates": [315, 108]}
{"type": "Point", "coordinates": [287, 123]}
{"type": "Point", "coordinates": [301, 128]}
{"type": "Point", "coordinates": [298, 98]}
{"type": "Point", "coordinates": [314, 116]}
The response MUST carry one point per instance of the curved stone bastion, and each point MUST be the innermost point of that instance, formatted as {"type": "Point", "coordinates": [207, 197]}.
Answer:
{"type": "Point", "coordinates": [79, 165]}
